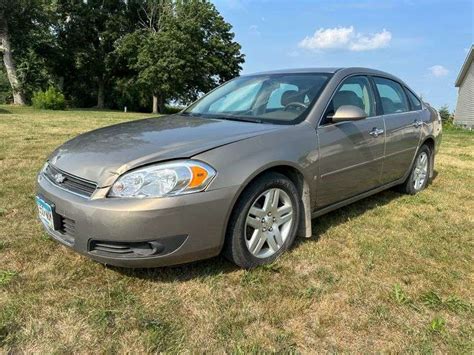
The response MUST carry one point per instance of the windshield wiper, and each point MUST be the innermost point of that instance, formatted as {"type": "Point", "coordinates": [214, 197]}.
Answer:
{"type": "Point", "coordinates": [190, 114]}
{"type": "Point", "coordinates": [236, 118]}
{"type": "Point", "coordinates": [223, 117]}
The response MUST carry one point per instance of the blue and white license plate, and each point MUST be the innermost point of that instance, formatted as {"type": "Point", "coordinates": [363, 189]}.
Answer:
{"type": "Point", "coordinates": [45, 212]}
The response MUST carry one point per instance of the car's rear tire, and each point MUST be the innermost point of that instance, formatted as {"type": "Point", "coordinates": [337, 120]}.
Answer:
{"type": "Point", "coordinates": [264, 221]}
{"type": "Point", "coordinates": [419, 174]}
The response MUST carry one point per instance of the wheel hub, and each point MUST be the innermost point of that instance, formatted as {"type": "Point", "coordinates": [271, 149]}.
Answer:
{"type": "Point", "coordinates": [421, 171]}
{"type": "Point", "coordinates": [269, 223]}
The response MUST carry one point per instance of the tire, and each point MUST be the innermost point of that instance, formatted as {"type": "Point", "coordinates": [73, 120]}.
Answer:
{"type": "Point", "coordinates": [410, 186]}
{"type": "Point", "coordinates": [247, 230]}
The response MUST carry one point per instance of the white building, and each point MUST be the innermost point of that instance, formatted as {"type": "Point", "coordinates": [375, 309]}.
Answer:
{"type": "Point", "coordinates": [464, 114]}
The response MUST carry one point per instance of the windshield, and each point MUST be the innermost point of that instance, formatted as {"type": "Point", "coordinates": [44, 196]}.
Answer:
{"type": "Point", "coordinates": [276, 98]}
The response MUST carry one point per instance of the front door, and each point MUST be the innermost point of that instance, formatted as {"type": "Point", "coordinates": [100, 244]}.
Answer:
{"type": "Point", "coordinates": [351, 152]}
{"type": "Point", "coordinates": [402, 128]}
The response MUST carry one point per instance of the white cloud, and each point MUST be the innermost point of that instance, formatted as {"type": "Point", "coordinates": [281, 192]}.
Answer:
{"type": "Point", "coordinates": [328, 38]}
{"type": "Point", "coordinates": [345, 38]}
{"type": "Point", "coordinates": [438, 71]}
{"type": "Point", "coordinates": [371, 42]}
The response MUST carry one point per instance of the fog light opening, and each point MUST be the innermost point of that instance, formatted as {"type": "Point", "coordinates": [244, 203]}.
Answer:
{"type": "Point", "coordinates": [147, 248]}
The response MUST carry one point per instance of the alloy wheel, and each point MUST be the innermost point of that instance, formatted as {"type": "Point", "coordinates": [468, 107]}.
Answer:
{"type": "Point", "coordinates": [269, 222]}
{"type": "Point", "coordinates": [421, 171]}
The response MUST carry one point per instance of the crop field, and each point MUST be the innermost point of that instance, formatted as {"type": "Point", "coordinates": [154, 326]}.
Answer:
{"type": "Point", "coordinates": [391, 273]}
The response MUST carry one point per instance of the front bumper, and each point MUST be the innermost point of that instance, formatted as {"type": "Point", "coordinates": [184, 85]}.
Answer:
{"type": "Point", "coordinates": [186, 228]}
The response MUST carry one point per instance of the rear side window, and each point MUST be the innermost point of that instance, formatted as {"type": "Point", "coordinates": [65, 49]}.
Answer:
{"type": "Point", "coordinates": [414, 101]}
{"type": "Point", "coordinates": [392, 96]}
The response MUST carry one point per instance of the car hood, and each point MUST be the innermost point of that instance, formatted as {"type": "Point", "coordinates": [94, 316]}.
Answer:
{"type": "Point", "coordinates": [102, 154]}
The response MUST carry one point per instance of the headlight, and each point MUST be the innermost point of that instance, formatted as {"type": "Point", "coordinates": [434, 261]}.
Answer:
{"type": "Point", "coordinates": [167, 179]}
{"type": "Point", "coordinates": [42, 172]}
{"type": "Point", "coordinates": [43, 169]}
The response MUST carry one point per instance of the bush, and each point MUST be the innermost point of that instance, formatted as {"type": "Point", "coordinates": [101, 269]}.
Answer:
{"type": "Point", "coordinates": [51, 99]}
{"type": "Point", "coordinates": [173, 109]}
{"type": "Point", "coordinates": [445, 114]}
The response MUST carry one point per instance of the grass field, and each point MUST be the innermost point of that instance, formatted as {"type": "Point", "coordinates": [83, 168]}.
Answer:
{"type": "Point", "coordinates": [391, 273]}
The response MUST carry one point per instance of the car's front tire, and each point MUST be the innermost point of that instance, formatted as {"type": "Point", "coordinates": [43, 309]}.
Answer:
{"type": "Point", "coordinates": [420, 172]}
{"type": "Point", "coordinates": [264, 221]}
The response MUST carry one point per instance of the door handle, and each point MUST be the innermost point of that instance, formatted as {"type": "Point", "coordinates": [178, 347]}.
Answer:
{"type": "Point", "coordinates": [417, 124]}
{"type": "Point", "coordinates": [375, 132]}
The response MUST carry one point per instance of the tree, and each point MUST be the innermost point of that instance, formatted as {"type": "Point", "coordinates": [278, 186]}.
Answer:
{"type": "Point", "coordinates": [115, 52]}
{"type": "Point", "coordinates": [86, 33]}
{"type": "Point", "coordinates": [5, 88]}
{"type": "Point", "coordinates": [7, 10]}
{"type": "Point", "coordinates": [445, 114]}
{"type": "Point", "coordinates": [26, 41]}
{"type": "Point", "coordinates": [182, 48]}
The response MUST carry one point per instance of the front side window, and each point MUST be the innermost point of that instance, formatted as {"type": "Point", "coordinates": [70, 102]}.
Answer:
{"type": "Point", "coordinates": [276, 98]}
{"type": "Point", "coordinates": [414, 101]}
{"type": "Point", "coordinates": [355, 91]}
{"type": "Point", "coordinates": [392, 96]}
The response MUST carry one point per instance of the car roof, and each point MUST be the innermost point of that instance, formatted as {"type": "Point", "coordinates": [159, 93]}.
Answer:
{"type": "Point", "coordinates": [298, 71]}
{"type": "Point", "coordinates": [330, 70]}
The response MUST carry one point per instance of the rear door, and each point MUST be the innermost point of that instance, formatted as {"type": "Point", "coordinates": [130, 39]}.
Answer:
{"type": "Point", "coordinates": [402, 126]}
{"type": "Point", "coordinates": [350, 153]}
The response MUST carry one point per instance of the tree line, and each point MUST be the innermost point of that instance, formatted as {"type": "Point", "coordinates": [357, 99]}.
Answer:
{"type": "Point", "coordinates": [115, 53]}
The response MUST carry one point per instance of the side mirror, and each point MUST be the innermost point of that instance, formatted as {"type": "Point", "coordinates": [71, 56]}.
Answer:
{"type": "Point", "coordinates": [348, 113]}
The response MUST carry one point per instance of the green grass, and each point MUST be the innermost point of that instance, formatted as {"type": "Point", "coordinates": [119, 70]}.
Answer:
{"type": "Point", "coordinates": [392, 273]}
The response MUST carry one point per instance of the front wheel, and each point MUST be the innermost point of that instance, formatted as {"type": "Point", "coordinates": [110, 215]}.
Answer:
{"type": "Point", "coordinates": [264, 221]}
{"type": "Point", "coordinates": [420, 173]}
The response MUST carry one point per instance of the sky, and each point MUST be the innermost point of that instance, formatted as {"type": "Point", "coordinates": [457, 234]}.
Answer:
{"type": "Point", "coordinates": [423, 42]}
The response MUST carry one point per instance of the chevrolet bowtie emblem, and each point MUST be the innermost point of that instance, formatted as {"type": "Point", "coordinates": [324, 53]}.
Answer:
{"type": "Point", "coordinates": [59, 178]}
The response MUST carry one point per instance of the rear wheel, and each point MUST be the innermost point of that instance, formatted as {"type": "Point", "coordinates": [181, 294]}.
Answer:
{"type": "Point", "coordinates": [264, 221]}
{"type": "Point", "coordinates": [420, 173]}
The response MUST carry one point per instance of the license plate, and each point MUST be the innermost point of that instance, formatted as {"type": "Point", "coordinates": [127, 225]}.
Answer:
{"type": "Point", "coordinates": [45, 212]}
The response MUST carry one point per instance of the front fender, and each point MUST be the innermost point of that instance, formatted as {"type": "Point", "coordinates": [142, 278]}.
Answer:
{"type": "Point", "coordinates": [237, 164]}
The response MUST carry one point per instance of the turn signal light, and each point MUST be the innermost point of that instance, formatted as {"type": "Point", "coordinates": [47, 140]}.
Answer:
{"type": "Point", "coordinates": [199, 176]}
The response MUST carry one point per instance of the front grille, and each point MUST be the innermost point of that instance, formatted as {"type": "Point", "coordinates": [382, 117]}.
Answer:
{"type": "Point", "coordinates": [69, 182]}
{"type": "Point", "coordinates": [67, 229]}
{"type": "Point", "coordinates": [68, 226]}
